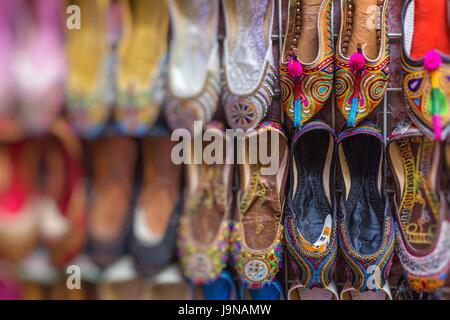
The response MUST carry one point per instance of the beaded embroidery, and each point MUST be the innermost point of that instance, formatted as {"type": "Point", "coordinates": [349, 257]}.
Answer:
{"type": "Point", "coordinates": [373, 78]}
{"type": "Point", "coordinates": [315, 84]}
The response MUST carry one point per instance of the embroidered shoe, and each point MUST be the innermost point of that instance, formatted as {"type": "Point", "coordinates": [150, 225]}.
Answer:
{"type": "Point", "coordinates": [426, 77]}
{"type": "Point", "coordinates": [194, 67]}
{"type": "Point", "coordinates": [89, 83]}
{"type": "Point", "coordinates": [257, 236]}
{"type": "Point", "coordinates": [310, 221]}
{"type": "Point", "coordinates": [113, 198]}
{"type": "Point", "coordinates": [204, 233]}
{"type": "Point", "coordinates": [158, 208]}
{"type": "Point", "coordinates": [362, 58]}
{"type": "Point", "coordinates": [307, 61]}
{"type": "Point", "coordinates": [423, 233]}
{"type": "Point", "coordinates": [10, 126]}
{"type": "Point", "coordinates": [141, 64]}
{"type": "Point", "coordinates": [250, 75]}
{"type": "Point", "coordinates": [40, 64]}
{"type": "Point", "coordinates": [366, 227]}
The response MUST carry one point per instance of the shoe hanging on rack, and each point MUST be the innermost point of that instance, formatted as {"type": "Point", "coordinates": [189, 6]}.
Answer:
{"type": "Point", "coordinates": [141, 65]}
{"type": "Point", "coordinates": [89, 83]}
{"type": "Point", "coordinates": [204, 235]}
{"type": "Point", "coordinates": [10, 126]}
{"type": "Point", "coordinates": [158, 207]}
{"type": "Point", "coordinates": [194, 66]}
{"type": "Point", "coordinates": [366, 226]}
{"type": "Point", "coordinates": [257, 235]}
{"type": "Point", "coordinates": [19, 223]}
{"type": "Point", "coordinates": [113, 197]}
{"type": "Point", "coordinates": [310, 221]}
{"type": "Point", "coordinates": [250, 75]}
{"type": "Point", "coordinates": [426, 66]}
{"type": "Point", "coordinates": [362, 58]}
{"type": "Point", "coordinates": [423, 231]}
{"type": "Point", "coordinates": [307, 60]}
{"type": "Point", "coordinates": [40, 64]}
{"type": "Point", "coordinates": [62, 200]}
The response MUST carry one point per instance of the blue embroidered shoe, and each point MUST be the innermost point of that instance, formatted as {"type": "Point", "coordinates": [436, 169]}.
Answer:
{"type": "Point", "coordinates": [310, 222]}
{"type": "Point", "coordinates": [366, 228]}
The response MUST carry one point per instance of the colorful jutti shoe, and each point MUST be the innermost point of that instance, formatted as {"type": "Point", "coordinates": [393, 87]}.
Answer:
{"type": "Point", "coordinates": [40, 64]}
{"type": "Point", "coordinates": [257, 236]}
{"type": "Point", "coordinates": [158, 207]}
{"type": "Point", "coordinates": [423, 231]}
{"type": "Point", "coordinates": [10, 126]}
{"type": "Point", "coordinates": [366, 226]}
{"type": "Point", "coordinates": [426, 77]}
{"type": "Point", "coordinates": [141, 65]}
{"type": "Point", "coordinates": [112, 198]}
{"type": "Point", "coordinates": [194, 64]}
{"type": "Point", "coordinates": [205, 227]}
{"type": "Point", "coordinates": [362, 58]}
{"type": "Point", "coordinates": [310, 215]}
{"type": "Point", "coordinates": [250, 75]}
{"type": "Point", "coordinates": [89, 83]}
{"type": "Point", "coordinates": [307, 61]}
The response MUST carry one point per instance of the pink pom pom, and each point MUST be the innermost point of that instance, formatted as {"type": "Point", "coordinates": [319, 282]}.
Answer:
{"type": "Point", "coordinates": [432, 60]}
{"type": "Point", "coordinates": [295, 68]}
{"type": "Point", "coordinates": [437, 122]}
{"type": "Point", "coordinates": [357, 61]}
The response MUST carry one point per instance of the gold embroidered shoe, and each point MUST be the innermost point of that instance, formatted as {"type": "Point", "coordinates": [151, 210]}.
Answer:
{"type": "Point", "coordinates": [204, 233]}
{"type": "Point", "coordinates": [426, 81]}
{"type": "Point", "coordinates": [362, 58]}
{"type": "Point", "coordinates": [307, 61]}
{"type": "Point", "coordinates": [250, 75]}
{"type": "Point", "coordinates": [89, 81]}
{"type": "Point", "coordinates": [257, 236]}
{"type": "Point", "coordinates": [423, 233]}
{"type": "Point", "coordinates": [141, 65]}
{"type": "Point", "coordinates": [194, 67]}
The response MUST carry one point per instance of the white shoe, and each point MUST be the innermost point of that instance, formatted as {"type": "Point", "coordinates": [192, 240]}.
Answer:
{"type": "Point", "coordinates": [194, 69]}
{"type": "Point", "coordinates": [250, 75]}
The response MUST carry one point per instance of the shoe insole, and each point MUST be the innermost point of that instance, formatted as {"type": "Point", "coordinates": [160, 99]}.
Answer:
{"type": "Point", "coordinates": [248, 35]}
{"type": "Point", "coordinates": [209, 214]}
{"type": "Point", "coordinates": [144, 42]}
{"type": "Point", "coordinates": [87, 46]}
{"type": "Point", "coordinates": [160, 188]}
{"type": "Point", "coordinates": [308, 44]}
{"type": "Point", "coordinates": [262, 196]}
{"type": "Point", "coordinates": [310, 200]}
{"type": "Point", "coordinates": [364, 28]}
{"type": "Point", "coordinates": [411, 163]}
{"type": "Point", "coordinates": [431, 29]}
{"type": "Point", "coordinates": [114, 160]}
{"type": "Point", "coordinates": [364, 204]}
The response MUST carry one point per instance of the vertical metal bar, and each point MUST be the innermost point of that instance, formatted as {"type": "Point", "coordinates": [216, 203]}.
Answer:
{"type": "Point", "coordinates": [333, 100]}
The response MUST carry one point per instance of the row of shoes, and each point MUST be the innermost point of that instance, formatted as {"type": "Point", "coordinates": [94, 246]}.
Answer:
{"type": "Point", "coordinates": [131, 68]}
{"type": "Point", "coordinates": [295, 209]}
{"type": "Point", "coordinates": [360, 63]}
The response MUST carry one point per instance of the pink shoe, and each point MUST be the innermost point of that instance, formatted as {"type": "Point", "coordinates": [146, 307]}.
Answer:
{"type": "Point", "coordinates": [8, 123]}
{"type": "Point", "coordinates": [39, 64]}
